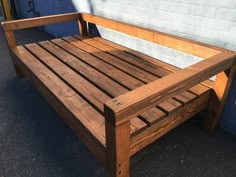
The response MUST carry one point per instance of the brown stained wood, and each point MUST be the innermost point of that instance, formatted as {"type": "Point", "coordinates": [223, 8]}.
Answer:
{"type": "Point", "coordinates": [142, 64]}
{"type": "Point", "coordinates": [218, 97]}
{"type": "Point", "coordinates": [137, 125]}
{"type": "Point", "coordinates": [10, 38]}
{"type": "Point", "coordinates": [186, 97]}
{"type": "Point", "coordinates": [127, 67]}
{"type": "Point", "coordinates": [123, 66]}
{"type": "Point", "coordinates": [142, 98]}
{"type": "Point", "coordinates": [118, 148]}
{"type": "Point", "coordinates": [72, 109]}
{"type": "Point", "coordinates": [153, 116]}
{"type": "Point", "coordinates": [144, 57]}
{"type": "Point", "coordinates": [161, 128]}
{"type": "Point", "coordinates": [149, 117]}
{"type": "Point", "coordinates": [171, 41]}
{"type": "Point", "coordinates": [39, 21]}
{"type": "Point", "coordinates": [82, 68]}
{"type": "Point", "coordinates": [158, 63]}
{"type": "Point", "coordinates": [199, 90]}
{"type": "Point", "coordinates": [169, 106]}
{"type": "Point", "coordinates": [100, 65]}
{"type": "Point", "coordinates": [95, 96]}
{"type": "Point", "coordinates": [83, 28]}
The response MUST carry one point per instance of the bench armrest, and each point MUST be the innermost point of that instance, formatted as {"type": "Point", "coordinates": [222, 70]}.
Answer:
{"type": "Point", "coordinates": [38, 21]}
{"type": "Point", "coordinates": [10, 26]}
{"type": "Point", "coordinates": [121, 109]}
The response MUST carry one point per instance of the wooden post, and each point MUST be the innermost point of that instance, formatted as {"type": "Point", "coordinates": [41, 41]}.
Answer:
{"type": "Point", "coordinates": [11, 41]}
{"type": "Point", "coordinates": [218, 98]}
{"type": "Point", "coordinates": [83, 29]}
{"type": "Point", "coordinates": [117, 145]}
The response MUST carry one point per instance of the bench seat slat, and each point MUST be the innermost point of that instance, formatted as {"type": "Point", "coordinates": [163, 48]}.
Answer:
{"type": "Point", "coordinates": [97, 75]}
{"type": "Point", "coordinates": [112, 60]}
{"type": "Point", "coordinates": [79, 108]}
{"type": "Point", "coordinates": [125, 56]}
{"type": "Point", "coordinates": [128, 60]}
{"type": "Point", "coordinates": [137, 125]}
{"type": "Point", "coordinates": [104, 68]}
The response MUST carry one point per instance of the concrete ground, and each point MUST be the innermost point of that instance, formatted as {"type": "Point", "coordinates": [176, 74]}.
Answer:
{"type": "Point", "coordinates": [34, 142]}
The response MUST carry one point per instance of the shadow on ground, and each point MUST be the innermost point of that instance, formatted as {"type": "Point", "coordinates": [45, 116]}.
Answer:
{"type": "Point", "coordinates": [34, 142]}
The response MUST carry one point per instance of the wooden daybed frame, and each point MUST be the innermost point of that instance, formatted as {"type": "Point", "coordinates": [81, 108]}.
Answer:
{"type": "Point", "coordinates": [115, 99]}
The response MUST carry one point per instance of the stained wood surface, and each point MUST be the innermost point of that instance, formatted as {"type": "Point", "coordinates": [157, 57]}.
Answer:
{"type": "Point", "coordinates": [185, 45]}
{"type": "Point", "coordinates": [142, 98]}
{"type": "Point", "coordinates": [83, 74]}
{"type": "Point", "coordinates": [39, 21]}
{"type": "Point", "coordinates": [98, 72]}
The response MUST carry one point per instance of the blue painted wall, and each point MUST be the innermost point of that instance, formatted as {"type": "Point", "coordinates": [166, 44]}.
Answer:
{"type": "Point", "coordinates": [43, 7]}
{"type": "Point", "coordinates": [207, 21]}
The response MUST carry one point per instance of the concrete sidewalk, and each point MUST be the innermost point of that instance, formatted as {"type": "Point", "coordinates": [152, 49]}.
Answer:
{"type": "Point", "coordinates": [34, 142]}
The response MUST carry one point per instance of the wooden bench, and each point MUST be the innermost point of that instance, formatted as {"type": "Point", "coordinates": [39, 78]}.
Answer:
{"type": "Point", "coordinates": [115, 99]}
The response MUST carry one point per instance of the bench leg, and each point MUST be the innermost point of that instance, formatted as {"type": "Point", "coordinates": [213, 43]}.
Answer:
{"type": "Point", "coordinates": [218, 98]}
{"type": "Point", "coordinates": [117, 156]}
{"type": "Point", "coordinates": [18, 72]}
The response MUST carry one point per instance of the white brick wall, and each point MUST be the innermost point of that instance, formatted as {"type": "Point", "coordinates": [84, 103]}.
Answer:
{"type": "Point", "coordinates": [209, 21]}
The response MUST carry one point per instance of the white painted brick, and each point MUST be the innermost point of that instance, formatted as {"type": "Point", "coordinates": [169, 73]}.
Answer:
{"type": "Point", "coordinates": [223, 3]}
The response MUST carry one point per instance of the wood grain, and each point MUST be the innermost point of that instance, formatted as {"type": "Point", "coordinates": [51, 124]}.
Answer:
{"type": "Point", "coordinates": [142, 98]}
{"type": "Point", "coordinates": [156, 131]}
{"type": "Point", "coordinates": [171, 41]}
{"type": "Point", "coordinates": [118, 146]}
{"type": "Point", "coordinates": [39, 21]}
{"type": "Point", "coordinates": [218, 98]}
{"type": "Point", "coordinates": [72, 108]}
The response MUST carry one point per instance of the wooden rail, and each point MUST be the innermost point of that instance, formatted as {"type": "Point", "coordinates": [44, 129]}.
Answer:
{"type": "Point", "coordinates": [135, 102]}
{"type": "Point", "coordinates": [182, 44]}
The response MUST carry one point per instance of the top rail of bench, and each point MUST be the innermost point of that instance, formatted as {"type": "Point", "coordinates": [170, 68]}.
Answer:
{"type": "Point", "coordinates": [39, 21]}
{"type": "Point", "coordinates": [178, 43]}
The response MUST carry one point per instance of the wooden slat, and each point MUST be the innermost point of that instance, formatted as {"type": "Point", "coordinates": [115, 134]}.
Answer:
{"type": "Point", "coordinates": [100, 65]}
{"type": "Point", "coordinates": [156, 131]}
{"type": "Point", "coordinates": [149, 59]}
{"type": "Point", "coordinates": [82, 68]}
{"type": "Point", "coordinates": [186, 97]}
{"type": "Point", "coordinates": [168, 107]}
{"type": "Point", "coordinates": [142, 98]}
{"type": "Point", "coordinates": [199, 90]}
{"type": "Point", "coordinates": [144, 57]}
{"type": "Point", "coordinates": [142, 64]}
{"type": "Point", "coordinates": [137, 125]}
{"type": "Point", "coordinates": [125, 67]}
{"type": "Point", "coordinates": [149, 118]}
{"type": "Point", "coordinates": [81, 85]}
{"type": "Point", "coordinates": [72, 108]}
{"type": "Point", "coordinates": [171, 41]}
{"type": "Point", "coordinates": [95, 96]}
{"type": "Point", "coordinates": [39, 21]}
